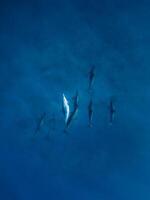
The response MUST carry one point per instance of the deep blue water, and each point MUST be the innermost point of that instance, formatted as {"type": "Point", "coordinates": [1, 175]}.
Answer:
{"type": "Point", "coordinates": [47, 49]}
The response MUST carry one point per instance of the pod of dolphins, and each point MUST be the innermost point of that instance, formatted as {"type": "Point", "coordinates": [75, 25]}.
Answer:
{"type": "Point", "coordinates": [70, 115]}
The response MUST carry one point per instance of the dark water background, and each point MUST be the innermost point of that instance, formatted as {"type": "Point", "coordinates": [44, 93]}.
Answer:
{"type": "Point", "coordinates": [46, 49]}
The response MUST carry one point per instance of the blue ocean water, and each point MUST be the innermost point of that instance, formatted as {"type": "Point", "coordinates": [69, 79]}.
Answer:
{"type": "Point", "coordinates": [47, 49]}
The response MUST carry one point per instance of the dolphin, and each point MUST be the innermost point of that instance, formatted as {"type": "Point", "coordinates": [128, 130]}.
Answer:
{"type": "Point", "coordinates": [91, 77]}
{"type": "Point", "coordinates": [65, 108]}
{"type": "Point", "coordinates": [75, 110]}
{"type": "Point", "coordinates": [90, 112]}
{"type": "Point", "coordinates": [76, 101]}
{"type": "Point", "coordinates": [40, 123]}
{"type": "Point", "coordinates": [112, 111]}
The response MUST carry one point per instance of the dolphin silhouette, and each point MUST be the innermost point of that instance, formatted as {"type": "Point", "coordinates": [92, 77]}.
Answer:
{"type": "Point", "coordinates": [91, 77]}
{"type": "Point", "coordinates": [112, 111]}
{"type": "Point", "coordinates": [40, 122]}
{"type": "Point", "coordinates": [90, 112]}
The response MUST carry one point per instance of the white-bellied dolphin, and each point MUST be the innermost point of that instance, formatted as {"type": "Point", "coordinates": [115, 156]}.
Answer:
{"type": "Point", "coordinates": [75, 110]}
{"type": "Point", "coordinates": [65, 108]}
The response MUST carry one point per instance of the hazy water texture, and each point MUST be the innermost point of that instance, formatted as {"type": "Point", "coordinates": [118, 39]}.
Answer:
{"type": "Point", "coordinates": [46, 49]}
